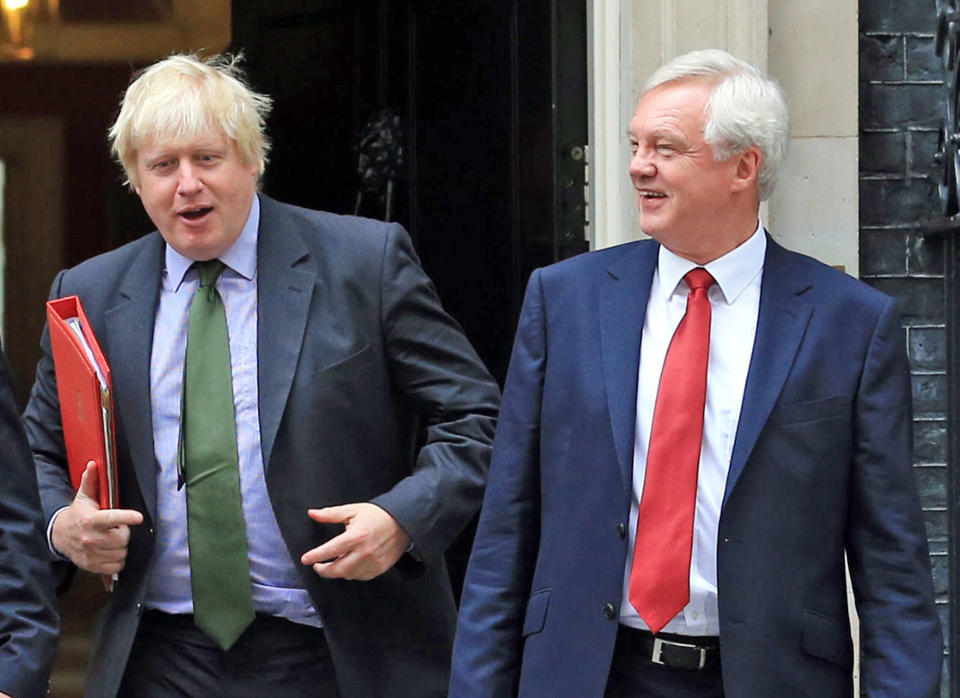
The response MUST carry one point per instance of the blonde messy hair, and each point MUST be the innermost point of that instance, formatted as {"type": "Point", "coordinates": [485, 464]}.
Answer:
{"type": "Point", "coordinates": [183, 96]}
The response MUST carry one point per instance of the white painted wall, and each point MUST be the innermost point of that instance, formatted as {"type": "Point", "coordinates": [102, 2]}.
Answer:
{"type": "Point", "coordinates": [811, 48]}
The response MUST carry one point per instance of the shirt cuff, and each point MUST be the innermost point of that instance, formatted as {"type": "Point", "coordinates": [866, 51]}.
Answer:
{"type": "Point", "coordinates": [56, 553]}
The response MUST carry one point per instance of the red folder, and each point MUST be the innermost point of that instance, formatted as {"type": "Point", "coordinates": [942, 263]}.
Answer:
{"type": "Point", "coordinates": [86, 396]}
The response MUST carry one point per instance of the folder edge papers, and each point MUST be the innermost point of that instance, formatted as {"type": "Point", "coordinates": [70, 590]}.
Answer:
{"type": "Point", "coordinates": [86, 407]}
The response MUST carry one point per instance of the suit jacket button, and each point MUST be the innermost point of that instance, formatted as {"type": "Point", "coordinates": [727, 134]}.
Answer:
{"type": "Point", "coordinates": [610, 611]}
{"type": "Point", "coordinates": [622, 530]}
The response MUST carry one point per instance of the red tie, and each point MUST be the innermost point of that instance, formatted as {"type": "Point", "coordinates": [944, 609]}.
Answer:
{"type": "Point", "coordinates": [660, 577]}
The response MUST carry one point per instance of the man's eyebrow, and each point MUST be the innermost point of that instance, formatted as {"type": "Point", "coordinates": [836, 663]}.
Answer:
{"type": "Point", "coordinates": [667, 135]}
{"type": "Point", "coordinates": [154, 158]}
{"type": "Point", "coordinates": [658, 133]}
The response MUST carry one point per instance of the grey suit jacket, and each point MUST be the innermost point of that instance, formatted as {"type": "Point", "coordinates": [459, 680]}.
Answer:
{"type": "Point", "coordinates": [369, 391]}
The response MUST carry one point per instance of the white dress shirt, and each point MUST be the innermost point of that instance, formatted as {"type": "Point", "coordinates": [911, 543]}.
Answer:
{"type": "Point", "coordinates": [734, 305]}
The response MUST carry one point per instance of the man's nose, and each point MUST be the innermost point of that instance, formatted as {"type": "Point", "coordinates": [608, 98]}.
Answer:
{"type": "Point", "coordinates": [641, 164]}
{"type": "Point", "coordinates": [188, 180]}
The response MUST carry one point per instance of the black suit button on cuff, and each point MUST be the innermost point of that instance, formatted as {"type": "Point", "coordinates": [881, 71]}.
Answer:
{"type": "Point", "coordinates": [610, 611]}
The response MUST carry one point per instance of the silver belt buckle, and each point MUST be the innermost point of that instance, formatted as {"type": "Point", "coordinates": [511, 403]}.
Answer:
{"type": "Point", "coordinates": [658, 644]}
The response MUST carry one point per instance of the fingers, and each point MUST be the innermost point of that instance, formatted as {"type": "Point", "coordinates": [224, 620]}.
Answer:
{"type": "Point", "coordinates": [341, 514]}
{"type": "Point", "coordinates": [109, 518]}
{"type": "Point", "coordinates": [89, 484]}
{"type": "Point", "coordinates": [349, 566]}
{"type": "Point", "coordinates": [94, 540]}
{"type": "Point", "coordinates": [371, 543]}
{"type": "Point", "coordinates": [101, 552]}
{"type": "Point", "coordinates": [114, 538]}
{"type": "Point", "coordinates": [358, 564]}
{"type": "Point", "coordinates": [336, 547]}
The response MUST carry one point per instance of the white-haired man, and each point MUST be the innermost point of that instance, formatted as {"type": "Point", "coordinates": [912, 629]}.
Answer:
{"type": "Point", "coordinates": [301, 429]}
{"type": "Point", "coordinates": [695, 430]}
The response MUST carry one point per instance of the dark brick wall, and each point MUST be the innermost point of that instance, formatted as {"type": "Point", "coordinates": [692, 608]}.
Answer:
{"type": "Point", "coordinates": [901, 106]}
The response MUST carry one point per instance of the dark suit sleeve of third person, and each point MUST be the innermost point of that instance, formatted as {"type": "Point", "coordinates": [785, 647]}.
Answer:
{"type": "Point", "coordinates": [28, 618]}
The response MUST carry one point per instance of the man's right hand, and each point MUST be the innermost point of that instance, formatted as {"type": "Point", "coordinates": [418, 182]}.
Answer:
{"type": "Point", "coordinates": [94, 540]}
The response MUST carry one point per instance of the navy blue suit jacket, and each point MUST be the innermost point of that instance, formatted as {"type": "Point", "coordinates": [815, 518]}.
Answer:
{"type": "Point", "coordinates": [28, 617]}
{"type": "Point", "coordinates": [821, 466]}
{"type": "Point", "coordinates": [368, 391]}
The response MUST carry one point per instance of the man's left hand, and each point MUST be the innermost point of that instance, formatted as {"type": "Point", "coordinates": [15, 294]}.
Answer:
{"type": "Point", "coordinates": [371, 544]}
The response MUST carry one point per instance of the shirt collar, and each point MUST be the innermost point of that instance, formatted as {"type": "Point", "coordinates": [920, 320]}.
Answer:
{"type": "Point", "coordinates": [732, 272]}
{"type": "Point", "coordinates": [241, 256]}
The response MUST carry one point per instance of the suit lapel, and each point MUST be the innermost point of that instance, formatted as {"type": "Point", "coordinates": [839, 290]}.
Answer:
{"type": "Point", "coordinates": [781, 323]}
{"type": "Point", "coordinates": [623, 302]}
{"type": "Point", "coordinates": [129, 337]}
{"type": "Point", "coordinates": [285, 283]}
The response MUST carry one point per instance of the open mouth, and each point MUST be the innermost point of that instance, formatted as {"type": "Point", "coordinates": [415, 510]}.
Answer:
{"type": "Point", "coordinates": [196, 214]}
{"type": "Point", "coordinates": [648, 194]}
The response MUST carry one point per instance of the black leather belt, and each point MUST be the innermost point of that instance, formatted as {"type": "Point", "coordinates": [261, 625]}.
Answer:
{"type": "Point", "coordinates": [673, 651]}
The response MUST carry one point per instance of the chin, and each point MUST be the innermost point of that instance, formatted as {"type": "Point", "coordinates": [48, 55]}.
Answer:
{"type": "Point", "coordinates": [651, 226]}
{"type": "Point", "coordinates": [198, 253]}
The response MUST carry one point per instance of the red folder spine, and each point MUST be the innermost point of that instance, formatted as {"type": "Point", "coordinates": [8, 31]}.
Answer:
{"type": "Point", "coordinates": [86, 408]}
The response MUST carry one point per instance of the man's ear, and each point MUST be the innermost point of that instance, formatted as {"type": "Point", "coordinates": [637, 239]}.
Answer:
{"type": "Point", "coordinates": [748, 168]}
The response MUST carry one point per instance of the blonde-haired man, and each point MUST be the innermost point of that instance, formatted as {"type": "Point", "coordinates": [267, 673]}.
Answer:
{"type": "Point", "coordinates": [335, 355]}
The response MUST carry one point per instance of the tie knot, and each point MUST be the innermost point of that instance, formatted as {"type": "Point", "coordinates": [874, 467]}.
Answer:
{"type": "Point", "coordinates": [209, 271]}
{"type": "Point", "coordinates": [698, 279]}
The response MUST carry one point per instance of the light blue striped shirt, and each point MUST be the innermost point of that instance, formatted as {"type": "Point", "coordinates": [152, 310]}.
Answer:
{"type": "Point", "coordinates": [277, 589]}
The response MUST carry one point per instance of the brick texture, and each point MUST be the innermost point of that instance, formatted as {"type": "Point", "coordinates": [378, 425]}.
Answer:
{"type": "Point", "coordinates": [902, 106]}
{"type": "Point", "coordinates": [897, 16]}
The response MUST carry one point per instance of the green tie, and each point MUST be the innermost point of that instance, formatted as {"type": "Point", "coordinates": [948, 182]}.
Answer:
{"type": "Point", "coordinates": [219, 568]}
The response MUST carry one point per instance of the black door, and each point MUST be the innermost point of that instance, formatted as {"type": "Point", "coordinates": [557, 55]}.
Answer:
{"type": "Point", "coordinates": [485, 105]}
{"type": "Point", "coordinates": [489, 99]}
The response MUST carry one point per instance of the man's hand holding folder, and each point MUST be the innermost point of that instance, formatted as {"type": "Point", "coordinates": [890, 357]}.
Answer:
{"type": "Point", "coordinates": [94, 539]}
{"type": "Point", "coordinates": [90, 532]}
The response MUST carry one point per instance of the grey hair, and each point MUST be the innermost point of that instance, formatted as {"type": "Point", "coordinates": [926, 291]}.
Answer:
{"type": "Point", "coordinates": [746, 108]}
